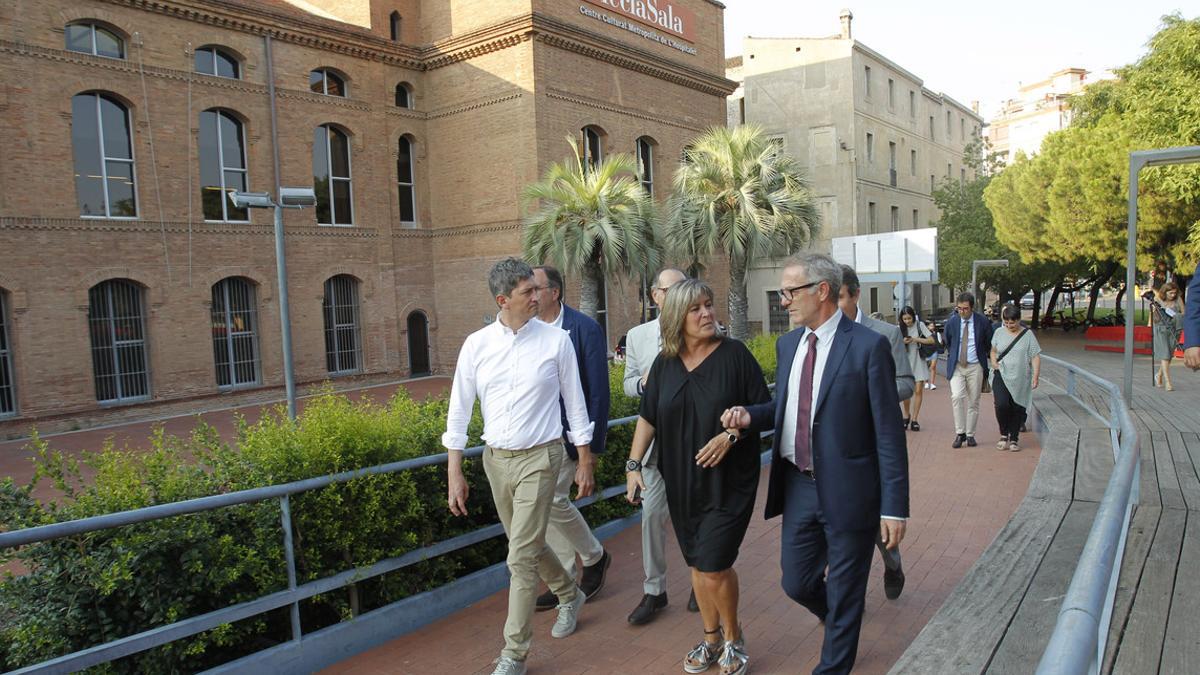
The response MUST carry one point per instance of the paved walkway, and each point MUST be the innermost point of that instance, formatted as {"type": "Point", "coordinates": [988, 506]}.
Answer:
{"type": "Point", "coordinates": [960, 499]}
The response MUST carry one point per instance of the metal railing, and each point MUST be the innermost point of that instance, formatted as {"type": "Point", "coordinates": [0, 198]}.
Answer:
{"type": "Point", "coordinates": [1080, 635]}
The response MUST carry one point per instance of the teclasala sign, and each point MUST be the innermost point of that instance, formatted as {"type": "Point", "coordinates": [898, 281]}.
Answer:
{"type": "Point", "coordinates": [661, 14]}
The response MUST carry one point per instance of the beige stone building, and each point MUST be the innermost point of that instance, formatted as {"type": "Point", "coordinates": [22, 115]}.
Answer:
{"type": "Point", "coordinates": [1038, 109]}
{"type": "Point", "coordinates": [129, 285]}
{"type": "Point", "coordinates": [874, 139]}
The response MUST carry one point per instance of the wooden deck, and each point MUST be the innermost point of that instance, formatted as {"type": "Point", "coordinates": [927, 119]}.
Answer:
{"type": "Point", "coordinates": [999, 619]}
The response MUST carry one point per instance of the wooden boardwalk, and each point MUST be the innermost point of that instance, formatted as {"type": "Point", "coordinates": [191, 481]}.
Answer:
{"type": "Point", "coordinates": [1000, 617]}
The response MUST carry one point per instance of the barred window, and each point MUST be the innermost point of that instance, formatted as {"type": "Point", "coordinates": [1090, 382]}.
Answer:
{"type": "Point", "coordinates": [102, 145]}
{"type": "Point", "coordinates": [405, 181]}
{"type": "Point", "coordinates": [593, 151]}
{"type": "Point", "coordinates": [216, 61]}
{"type": "Point", "coordinates": [117, 325]}
{"type": "Point", "coordinates": [325, 81]}
{"type": "Point", "coordinates": [403, 95]}
{"type": "Point", "coordinates": [235, 333]}
{"type": "Point", "coordinates": [8, 386]}
{"type": "Point", "coordinates": [222, 165]}
{"type": "Point", "coordinates": [88, 37]}
{"type": "Point", "coordinates": [778, 321]}
{"type": "Point", "coordinates": [331, 176]}
{"type": "Point", "coordinates": [343, 338]}
{"type": "Point", "coordinates": [645, 159]}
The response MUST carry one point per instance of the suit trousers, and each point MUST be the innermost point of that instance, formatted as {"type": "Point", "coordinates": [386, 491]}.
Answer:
{"type": "Point", "coordinates": [809, 545]}
{"type": "Point", "coordinates": [522, 483]}
{"type": "Point", "coordinates": [655, 521]}
{"type": "Point", "coordinates": [966, 385]}
{"type": "Point", "coordinates": [568, 533]}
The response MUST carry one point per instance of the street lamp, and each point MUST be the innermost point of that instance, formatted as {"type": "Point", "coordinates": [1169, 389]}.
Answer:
{"type": "Point", "coordinates": [975, 265]}
{"type": "Point", "coordinates": [289, 198]}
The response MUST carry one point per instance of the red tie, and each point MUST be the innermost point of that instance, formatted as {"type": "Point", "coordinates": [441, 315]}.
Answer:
{"type": "Point", "coordinates": [804, 406]}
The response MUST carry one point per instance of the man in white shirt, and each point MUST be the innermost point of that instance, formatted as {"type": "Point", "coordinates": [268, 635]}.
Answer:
{"type": "Point", "coordinates": [519, 368]}
{"type": "Point", "coordinates": [642, 347]}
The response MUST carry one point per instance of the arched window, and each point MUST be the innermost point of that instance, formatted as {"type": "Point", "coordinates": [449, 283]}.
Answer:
{"type": "Point", "coordinates": [222, 165]}
{"type": "Point", "coordinates": [103, 149]}
{"type": "Point", "coordinates": [331, 176]}
{"type": "Point", "coordinates": [645, 159]}
{"type": "Point", "coordinates": [395, 21]}
{"type": "Point", "coordinates": [593, 150]}
{"type": "Point", "coordinates": [418, 344]}
{"type": "Point", "coordinates": [404, 95]}
{"type": "Point", "coordinates": [117, 325]}
{"type": "Point", "coordinates": [8, 385]}
{"type": "Point", "coordinates": [325, 81]}
{"type": "Point", "coordinates": [235, 332]}
{"type": "Point", "coordinates": [343, 339]}
{"type": "Point", "coordinates": [406, 181]}
{"type": "Point", "coordinates": [87, 37]}
{"type": "Point", "coordinates": [216, 61]}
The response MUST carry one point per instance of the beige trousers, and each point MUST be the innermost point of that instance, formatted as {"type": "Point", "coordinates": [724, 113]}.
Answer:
{"type": "Point", "coordinates": [568, 532]}
{"type": "Point", "coordinates": [522, 483]}
{"type": "Point", "coordinates": [966, 385]}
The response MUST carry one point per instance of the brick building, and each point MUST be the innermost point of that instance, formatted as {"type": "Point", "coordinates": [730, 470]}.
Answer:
{"type": "Point", "coordinates": [130, 286]}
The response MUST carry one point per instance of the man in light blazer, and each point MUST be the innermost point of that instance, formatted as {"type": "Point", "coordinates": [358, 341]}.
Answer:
{"type": "Point", "coordinates": [642, 345]}
{"type": "Point", "coordinates": [968, 340]}
{"type": "Point", "coordinates": [893, 568]}
{"type": "Point", "coordinates": [839, 467]}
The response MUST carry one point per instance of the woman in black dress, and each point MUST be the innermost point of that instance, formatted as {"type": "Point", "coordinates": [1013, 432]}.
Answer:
{"type": "Point", "coordinates": [710, 473]}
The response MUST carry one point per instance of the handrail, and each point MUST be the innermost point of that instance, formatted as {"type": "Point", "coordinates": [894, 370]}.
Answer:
{"type": "Point", "coordinates": [1080, 635]}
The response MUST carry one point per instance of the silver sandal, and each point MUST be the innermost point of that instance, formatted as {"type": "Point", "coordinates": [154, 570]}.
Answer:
{"type": "Point", "coordinates": [704, 655]}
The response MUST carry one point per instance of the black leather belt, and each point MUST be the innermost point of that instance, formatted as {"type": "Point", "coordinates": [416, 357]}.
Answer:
{"type": "Point", "coordinates": [804, 472]}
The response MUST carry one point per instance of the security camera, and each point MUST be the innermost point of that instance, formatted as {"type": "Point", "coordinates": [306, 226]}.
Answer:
{"type": "Point", "coordinates": [259, 200]}
{"type": "Point", "coordinates": [297, 197]}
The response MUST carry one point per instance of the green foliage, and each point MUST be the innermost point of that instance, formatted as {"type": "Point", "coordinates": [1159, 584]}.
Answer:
{"type": "Point", "coordinates": [736, 193]}
{"type": "Point", "coordinates": [762, 346]}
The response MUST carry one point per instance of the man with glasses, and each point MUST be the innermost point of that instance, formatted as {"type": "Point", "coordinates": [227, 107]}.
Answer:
{"type": "Point", "coordinates": [568, 533]}
{"type": "Point", "coordinates": [519, 369]}
{"type": "Point", "coordinates": [968, 340]}
{"type": "Point", "coordinates": [642, 347]}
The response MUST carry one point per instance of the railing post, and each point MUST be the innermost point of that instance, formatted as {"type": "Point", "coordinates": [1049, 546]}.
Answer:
{"type": "Point", "coordinates": [285, 518]}
{"type": "Point", "coordinates": [1070, 382]}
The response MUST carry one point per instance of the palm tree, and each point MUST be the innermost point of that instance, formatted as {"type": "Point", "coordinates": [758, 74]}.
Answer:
{"type": "Point", "coordinates": [595, 221]}
{"type": "Point", "coordinates": [735, 191]}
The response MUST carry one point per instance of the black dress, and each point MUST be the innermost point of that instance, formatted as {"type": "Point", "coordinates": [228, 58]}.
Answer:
{"type": "Point", "coordinates": [710, 508]}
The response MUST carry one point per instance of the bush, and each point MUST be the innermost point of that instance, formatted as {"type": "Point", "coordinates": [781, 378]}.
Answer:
{"type": "Point", "coordinates": [762, 346]}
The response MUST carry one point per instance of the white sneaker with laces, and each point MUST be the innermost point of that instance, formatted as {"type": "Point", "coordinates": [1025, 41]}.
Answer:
{"type": "Point", "coordinates": [509, 666]}
{"type": "Point", "coordinates": [568, 616]}
{"type": "Point", "coordinates": [928, 386]}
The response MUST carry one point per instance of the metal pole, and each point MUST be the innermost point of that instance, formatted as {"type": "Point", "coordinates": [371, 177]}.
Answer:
{"type": "Point", "coordinates": [285, 319]}
{"type": "Point", "coordinates": [289, 554]}
{"type": "Point", "coordinates": [1135, 165]}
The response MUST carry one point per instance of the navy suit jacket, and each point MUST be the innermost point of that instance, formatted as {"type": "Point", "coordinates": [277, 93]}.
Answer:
{"type": "Point", "coordinates": [953, 336]}
{"type": "Point", "coordinates": [591, 353]}
{"type": "Point", "coordinates": [860, 455]}
{"type": "Point", "coordinates": [1191, 316]}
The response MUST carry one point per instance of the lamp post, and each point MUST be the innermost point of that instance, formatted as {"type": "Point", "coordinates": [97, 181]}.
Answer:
{"type": "Point", "coordinates": [289, 198]}
{"type": "Point", "coordinates": [975, 265]}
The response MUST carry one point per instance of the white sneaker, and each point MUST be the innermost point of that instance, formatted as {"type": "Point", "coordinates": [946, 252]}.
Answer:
{"type": "Point", "coordinates": [509, 666]}
{"type": "Point", "coordinates": [932, 386]}
{"type": "Point", "coordinates": [568, 616]}
{"type": "Point", "coordinates": [928, 386]}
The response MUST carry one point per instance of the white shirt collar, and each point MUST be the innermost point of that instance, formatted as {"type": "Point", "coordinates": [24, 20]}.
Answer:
{"type": "Point", "coordinates": [557, 322]}
{"type": "Point", "coordinates": [858, 314]}
{"type": "Point", "coordinates": [826, 330]}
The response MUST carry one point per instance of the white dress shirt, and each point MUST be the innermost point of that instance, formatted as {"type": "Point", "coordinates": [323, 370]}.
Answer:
{"type": "Point", "coordinates": [825, 333]}
{"type": "Point", "coordinates": [518, 379]}
{"type": "Point", "coordinates": [972, 355]}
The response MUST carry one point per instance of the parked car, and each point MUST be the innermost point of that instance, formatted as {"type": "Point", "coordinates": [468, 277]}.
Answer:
{"type": "Point", "coordinates": [1027, 300]}
{"type": "Point", "coordinates": [939, 317]}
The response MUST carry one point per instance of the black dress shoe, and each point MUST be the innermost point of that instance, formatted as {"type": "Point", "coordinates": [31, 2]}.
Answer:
{"type": "Point", "coordinates": [971, 442]}
{"type": "Point", "coordinates": [647, 608]}
{"type": "Point", "coordinates": [546, 601]}
{"type": "Point", "coordinates": [592, 579]}
{"type": "Point", "coordinates": [893, 583]}
{"type": "Point", "coordinates": [958, 441]}
{"type": "Point", "coordinates": [693, 606]}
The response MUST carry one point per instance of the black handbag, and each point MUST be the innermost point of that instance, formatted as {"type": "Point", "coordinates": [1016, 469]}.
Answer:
{"type": "Point", "coordinates": [927, 351]}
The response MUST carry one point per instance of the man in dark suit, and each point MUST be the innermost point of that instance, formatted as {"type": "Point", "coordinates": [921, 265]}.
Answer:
{"type": "Point", "coordinates": [968, 340]}
{"type": "Point", "coordinates": [567, 533]}
{"type": "Point", "coordinates": [839, 470]}
{"type": "Point", "coordinates": [1191, 323]}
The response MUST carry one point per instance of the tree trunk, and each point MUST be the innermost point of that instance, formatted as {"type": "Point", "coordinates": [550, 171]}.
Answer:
{"type": "Point", "coordinates": [1117, 310]}
{"type": "Point", "coordinates": [1053, 299]}
{"type": "Point", "coordinates": [1094, 293]}
{"type": "Point", "coordinates": [1037, 307]}
{"type": "Point", "coordinates": [739, 328]}
{"type": "Point", "coordinates": [589, 297]}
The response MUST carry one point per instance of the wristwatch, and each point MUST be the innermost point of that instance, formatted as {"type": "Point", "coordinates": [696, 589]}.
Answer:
{"type": "Point", "coordinates": [733, 438]}
{"type": "Point", "coordinates": [632, 465]}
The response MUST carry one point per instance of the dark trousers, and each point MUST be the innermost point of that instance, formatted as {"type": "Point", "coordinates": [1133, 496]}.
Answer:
{"type": "Point", "coordinates": [808, 546]}
{"type": "Point", "coordinates": [1009, 415]}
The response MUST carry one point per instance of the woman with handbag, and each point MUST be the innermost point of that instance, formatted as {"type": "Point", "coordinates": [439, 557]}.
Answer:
{"type": "Point", "coordinates": [1016, 365]}
{"type": "Point", "coordinates": [916, 339]}
{"type": "Point", "coordinates": [1167, 319]}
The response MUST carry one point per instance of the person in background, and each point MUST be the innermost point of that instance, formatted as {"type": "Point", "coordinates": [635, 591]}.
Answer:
{"type": "Point", "coordinates": [1167, 319]}
{"type": "Point", "coordinates": [1016, 365]}
{"type": "Point", "coordinates": [933, 358]}
{"type": "Point", "coordinates": [914, 334]}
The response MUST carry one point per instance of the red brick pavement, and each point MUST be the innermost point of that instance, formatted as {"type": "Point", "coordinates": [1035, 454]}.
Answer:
{"type": "Point", "coordinates": [959, 499]}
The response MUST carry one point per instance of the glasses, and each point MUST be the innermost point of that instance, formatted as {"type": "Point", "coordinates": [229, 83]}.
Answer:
{"type": "Point", "coordinates": [786, 293]}
{"type": "Point", "coordinates": [961, 308]}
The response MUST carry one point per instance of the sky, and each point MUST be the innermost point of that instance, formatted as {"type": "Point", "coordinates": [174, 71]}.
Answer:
{"type": "Point", "coordinates": [971, 51]}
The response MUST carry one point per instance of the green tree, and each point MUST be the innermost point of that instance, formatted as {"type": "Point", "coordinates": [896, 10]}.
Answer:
{"type": "Point", "coordinates": [736, 193]}
{"type": "Point", "coordinates": [595, 221]}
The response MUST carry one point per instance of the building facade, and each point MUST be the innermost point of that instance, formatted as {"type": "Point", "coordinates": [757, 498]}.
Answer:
{"type": "Point", "coordinates": [875, 142]}
{"type": "Point", "coordinates": [131, 286]}
{"type": "Point", "coordinates": [1039, 109]}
